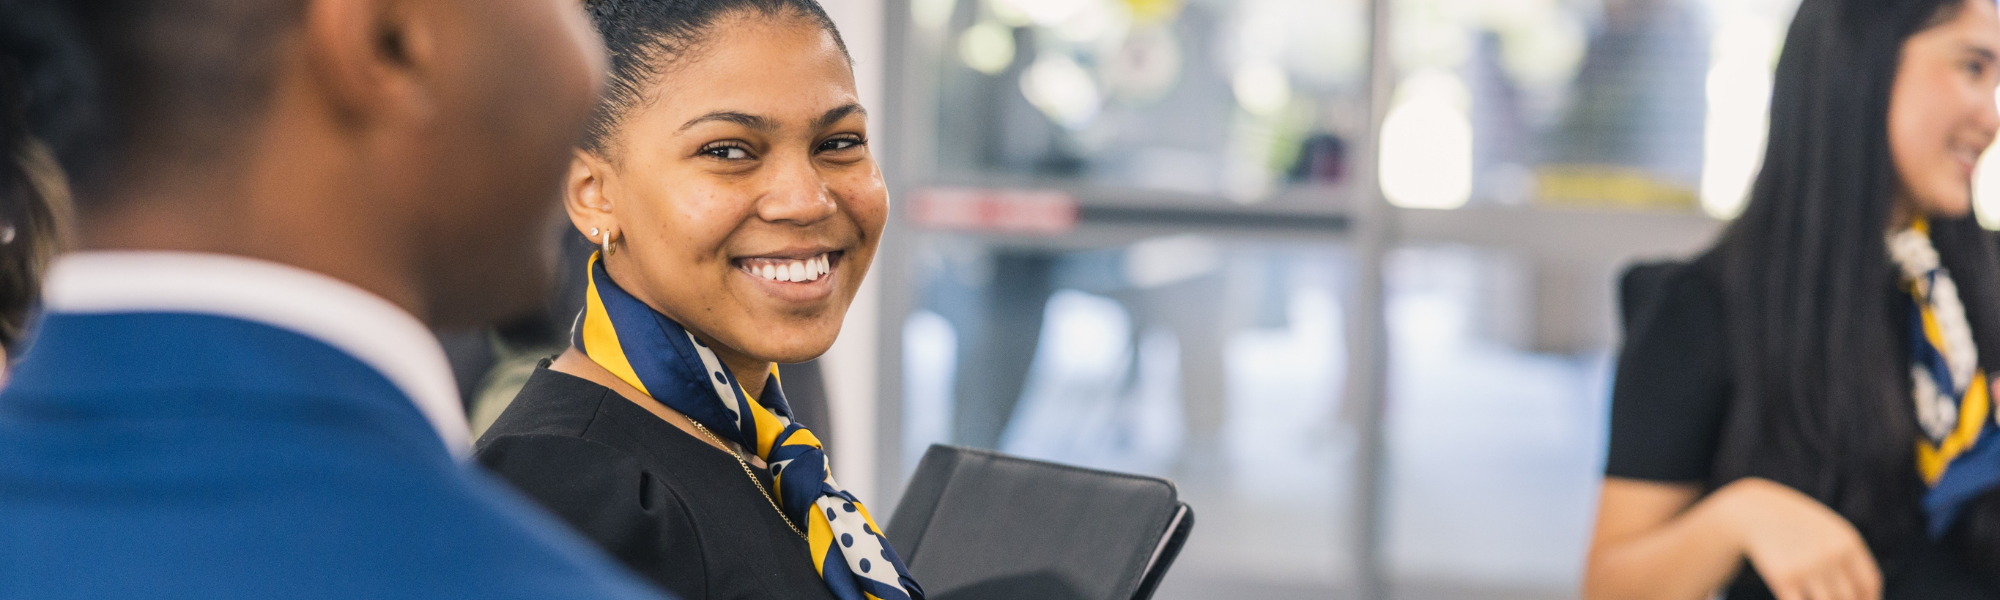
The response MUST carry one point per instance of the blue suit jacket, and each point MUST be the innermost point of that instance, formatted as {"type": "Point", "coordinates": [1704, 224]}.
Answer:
{"type": "Point", "coordinates": [167, 456]}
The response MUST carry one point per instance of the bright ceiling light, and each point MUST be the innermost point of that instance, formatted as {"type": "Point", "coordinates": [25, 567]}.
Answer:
{"type": "Point", "coordinates": [1426, 153]}
{"type": "Point", "coordinates": [987, 47]}
{"type": "Point", "coordinates": [1262, 88]}
{"type": "Point", "coordinates": [1045, 13]}
{"type": "Point", "coordinates": [1739, 94]}
{"type": "Point", "coordinates": [1063, 90]}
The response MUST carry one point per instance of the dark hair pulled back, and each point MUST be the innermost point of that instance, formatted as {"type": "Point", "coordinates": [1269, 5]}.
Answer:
{"type": "Point", "coordinates": [1817, 348]}
{"type": "Point", "coordinates": [644, 37]}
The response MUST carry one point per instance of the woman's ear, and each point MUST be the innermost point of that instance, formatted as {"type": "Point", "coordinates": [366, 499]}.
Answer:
{"type": "Point", "coordinates": [583, 195]}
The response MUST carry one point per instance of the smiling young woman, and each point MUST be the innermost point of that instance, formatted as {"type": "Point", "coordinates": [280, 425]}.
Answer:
{"type": "Point", "coordinates": [728, 183]}
{"type": "Point", "coordinates": [1804, 412]}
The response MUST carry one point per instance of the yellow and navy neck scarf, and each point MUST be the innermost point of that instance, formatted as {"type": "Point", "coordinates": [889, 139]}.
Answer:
{"type": "Point", "coordinates": [659, 358]}
{"type": "Point", "coordinates": [1959, 457]}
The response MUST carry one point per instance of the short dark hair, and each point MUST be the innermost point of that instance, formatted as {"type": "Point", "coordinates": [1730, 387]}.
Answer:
{"type": "Point", "coordinates": [644, 37]}
{"type": "Point", "coordinates": [106, 83]}
{"type": "Point", "coordinates": [89, 87]}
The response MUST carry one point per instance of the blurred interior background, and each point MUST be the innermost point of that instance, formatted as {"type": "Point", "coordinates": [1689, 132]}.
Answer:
{"type": "Point", "coordinates": [1342, 269]}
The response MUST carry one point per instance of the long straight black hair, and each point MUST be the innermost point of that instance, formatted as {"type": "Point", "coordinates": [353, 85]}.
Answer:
{"type": "Point", "coordinates": [1817, 337]}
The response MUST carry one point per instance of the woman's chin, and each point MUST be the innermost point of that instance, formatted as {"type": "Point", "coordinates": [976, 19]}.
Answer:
{"type": "Point", "coordinates": [784, 336]}
{"type": "Point", "coordinates": [792, 353]}
{"type": "Point", "coordinates": [1948, 207]}
{"type": "Point", "coordinates": [783, 321]}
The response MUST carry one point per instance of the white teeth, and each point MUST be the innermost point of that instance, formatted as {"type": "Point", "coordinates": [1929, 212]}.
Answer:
{"type": "Point", "coordinates": [796, 271]}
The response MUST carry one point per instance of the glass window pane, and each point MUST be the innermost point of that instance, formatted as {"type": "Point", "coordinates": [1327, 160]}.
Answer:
{"type": "Point", "coordinates": [1493, 444]}
{"type": "Point", "coordinates": [1217, 363]}
{"type": "Point", "coordinates": [1655, 104]}
{"type": "Point", "coordinates": [1230, 98]}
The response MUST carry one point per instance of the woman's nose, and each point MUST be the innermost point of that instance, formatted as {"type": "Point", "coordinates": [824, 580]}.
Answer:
{"type": "Point", "coordinates": [797, 194]}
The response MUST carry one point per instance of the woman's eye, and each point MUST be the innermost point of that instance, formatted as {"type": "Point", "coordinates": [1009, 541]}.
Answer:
{"type": "Point", "coordinates": [727, 153]}
{"type": "Point", "coordinates": [838, 144]}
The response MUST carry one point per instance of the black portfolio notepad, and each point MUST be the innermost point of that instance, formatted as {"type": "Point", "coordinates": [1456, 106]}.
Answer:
{"type": "Point", "coordinates": [978, 525]}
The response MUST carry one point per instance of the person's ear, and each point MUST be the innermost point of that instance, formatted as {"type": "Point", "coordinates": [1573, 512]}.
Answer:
{"type": "Point", "coordinates": [373, 60]}
{"type": "Point", "coordinates": [584, 198]}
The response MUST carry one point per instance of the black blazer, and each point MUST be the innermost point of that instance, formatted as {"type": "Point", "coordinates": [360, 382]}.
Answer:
{"type": "Point", "coordinates": [668, 505]}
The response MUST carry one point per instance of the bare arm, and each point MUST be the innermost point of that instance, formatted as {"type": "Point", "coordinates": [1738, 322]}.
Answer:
{"type": "Point", "coordinates": [1654, 541]}
{"type": "Point", "coordinates": [1658, 541]}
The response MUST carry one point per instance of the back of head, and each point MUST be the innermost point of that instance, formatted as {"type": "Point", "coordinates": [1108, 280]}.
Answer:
{"type": "Point", "coordinates": [408, 147]}
{"type": "Point", "coordinates": [120, 86]}
{"type": "Point", "coordinates": [1822, 405]}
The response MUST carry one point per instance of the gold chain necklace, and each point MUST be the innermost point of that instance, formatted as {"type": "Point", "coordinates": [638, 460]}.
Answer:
{"type": "Point", "coordinates": [753, 478]}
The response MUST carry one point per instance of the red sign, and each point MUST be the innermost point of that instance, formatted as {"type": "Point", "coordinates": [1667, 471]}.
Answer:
{"type": "Point", "coordinates": [999, 210]}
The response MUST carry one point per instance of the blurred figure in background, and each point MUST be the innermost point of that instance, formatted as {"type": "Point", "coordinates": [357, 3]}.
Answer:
{"type": "Point", "coordinates": [1804, 411]}
{"type": "Point", "coordinates": [233, 393]}
{"type": "Point", "coordinates": [728, 184]}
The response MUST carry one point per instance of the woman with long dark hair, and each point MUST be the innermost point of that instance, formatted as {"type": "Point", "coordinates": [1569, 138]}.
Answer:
{"type": "Point", "coordinates": [1803, 411]}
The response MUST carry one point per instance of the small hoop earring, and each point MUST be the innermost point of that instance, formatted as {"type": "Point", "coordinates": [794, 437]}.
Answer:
{"type": "Point", "coordinates": [606, 242]}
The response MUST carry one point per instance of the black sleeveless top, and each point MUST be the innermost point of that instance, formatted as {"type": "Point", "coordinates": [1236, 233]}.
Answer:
{"type": "Point", "coordinates": [668, 505]}
{"type": "Point", "coordinates": [1668, 405]}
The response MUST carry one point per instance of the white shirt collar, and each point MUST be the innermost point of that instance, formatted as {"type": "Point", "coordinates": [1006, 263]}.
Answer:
{"type": "Point", "coordinates": [352, 320]}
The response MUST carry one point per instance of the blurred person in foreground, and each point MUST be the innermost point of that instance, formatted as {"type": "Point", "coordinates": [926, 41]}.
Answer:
{"type": "Point", "coordinates": [233, 393]}
{"type": "Point", "coordinates": [1805, 411]}
{"type": "Point", "coordinates": [34, 217]}
{"type": "Point", "coordinates": [728, 183]}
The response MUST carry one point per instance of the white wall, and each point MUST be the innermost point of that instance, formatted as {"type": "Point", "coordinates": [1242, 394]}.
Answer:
{"type": "Point", "coordinates": [851, 365]}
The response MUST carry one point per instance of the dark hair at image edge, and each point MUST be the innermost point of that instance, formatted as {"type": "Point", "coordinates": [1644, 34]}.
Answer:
{"type": "Point", "coordinates": [644, 37]}
{"type": "Point", "coordinates": [44, 112]}
{"type": "Point", "coordinates": [1822, 396]}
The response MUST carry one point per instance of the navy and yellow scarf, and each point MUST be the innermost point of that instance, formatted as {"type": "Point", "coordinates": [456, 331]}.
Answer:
{"type": "Point", "coordinates": [660, 359]}
{"type": "Point", "coordinates": [1959, 455]}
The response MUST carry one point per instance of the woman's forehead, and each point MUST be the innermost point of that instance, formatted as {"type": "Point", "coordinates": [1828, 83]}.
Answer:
{"type": "Point", "coordinates": [790, 75]}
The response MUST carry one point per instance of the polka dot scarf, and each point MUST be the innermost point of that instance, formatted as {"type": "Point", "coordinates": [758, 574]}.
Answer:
{"type": "Point", "coordinates": [660, 359]}
{"type": "Point", "coordinates": [1959, 455]}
